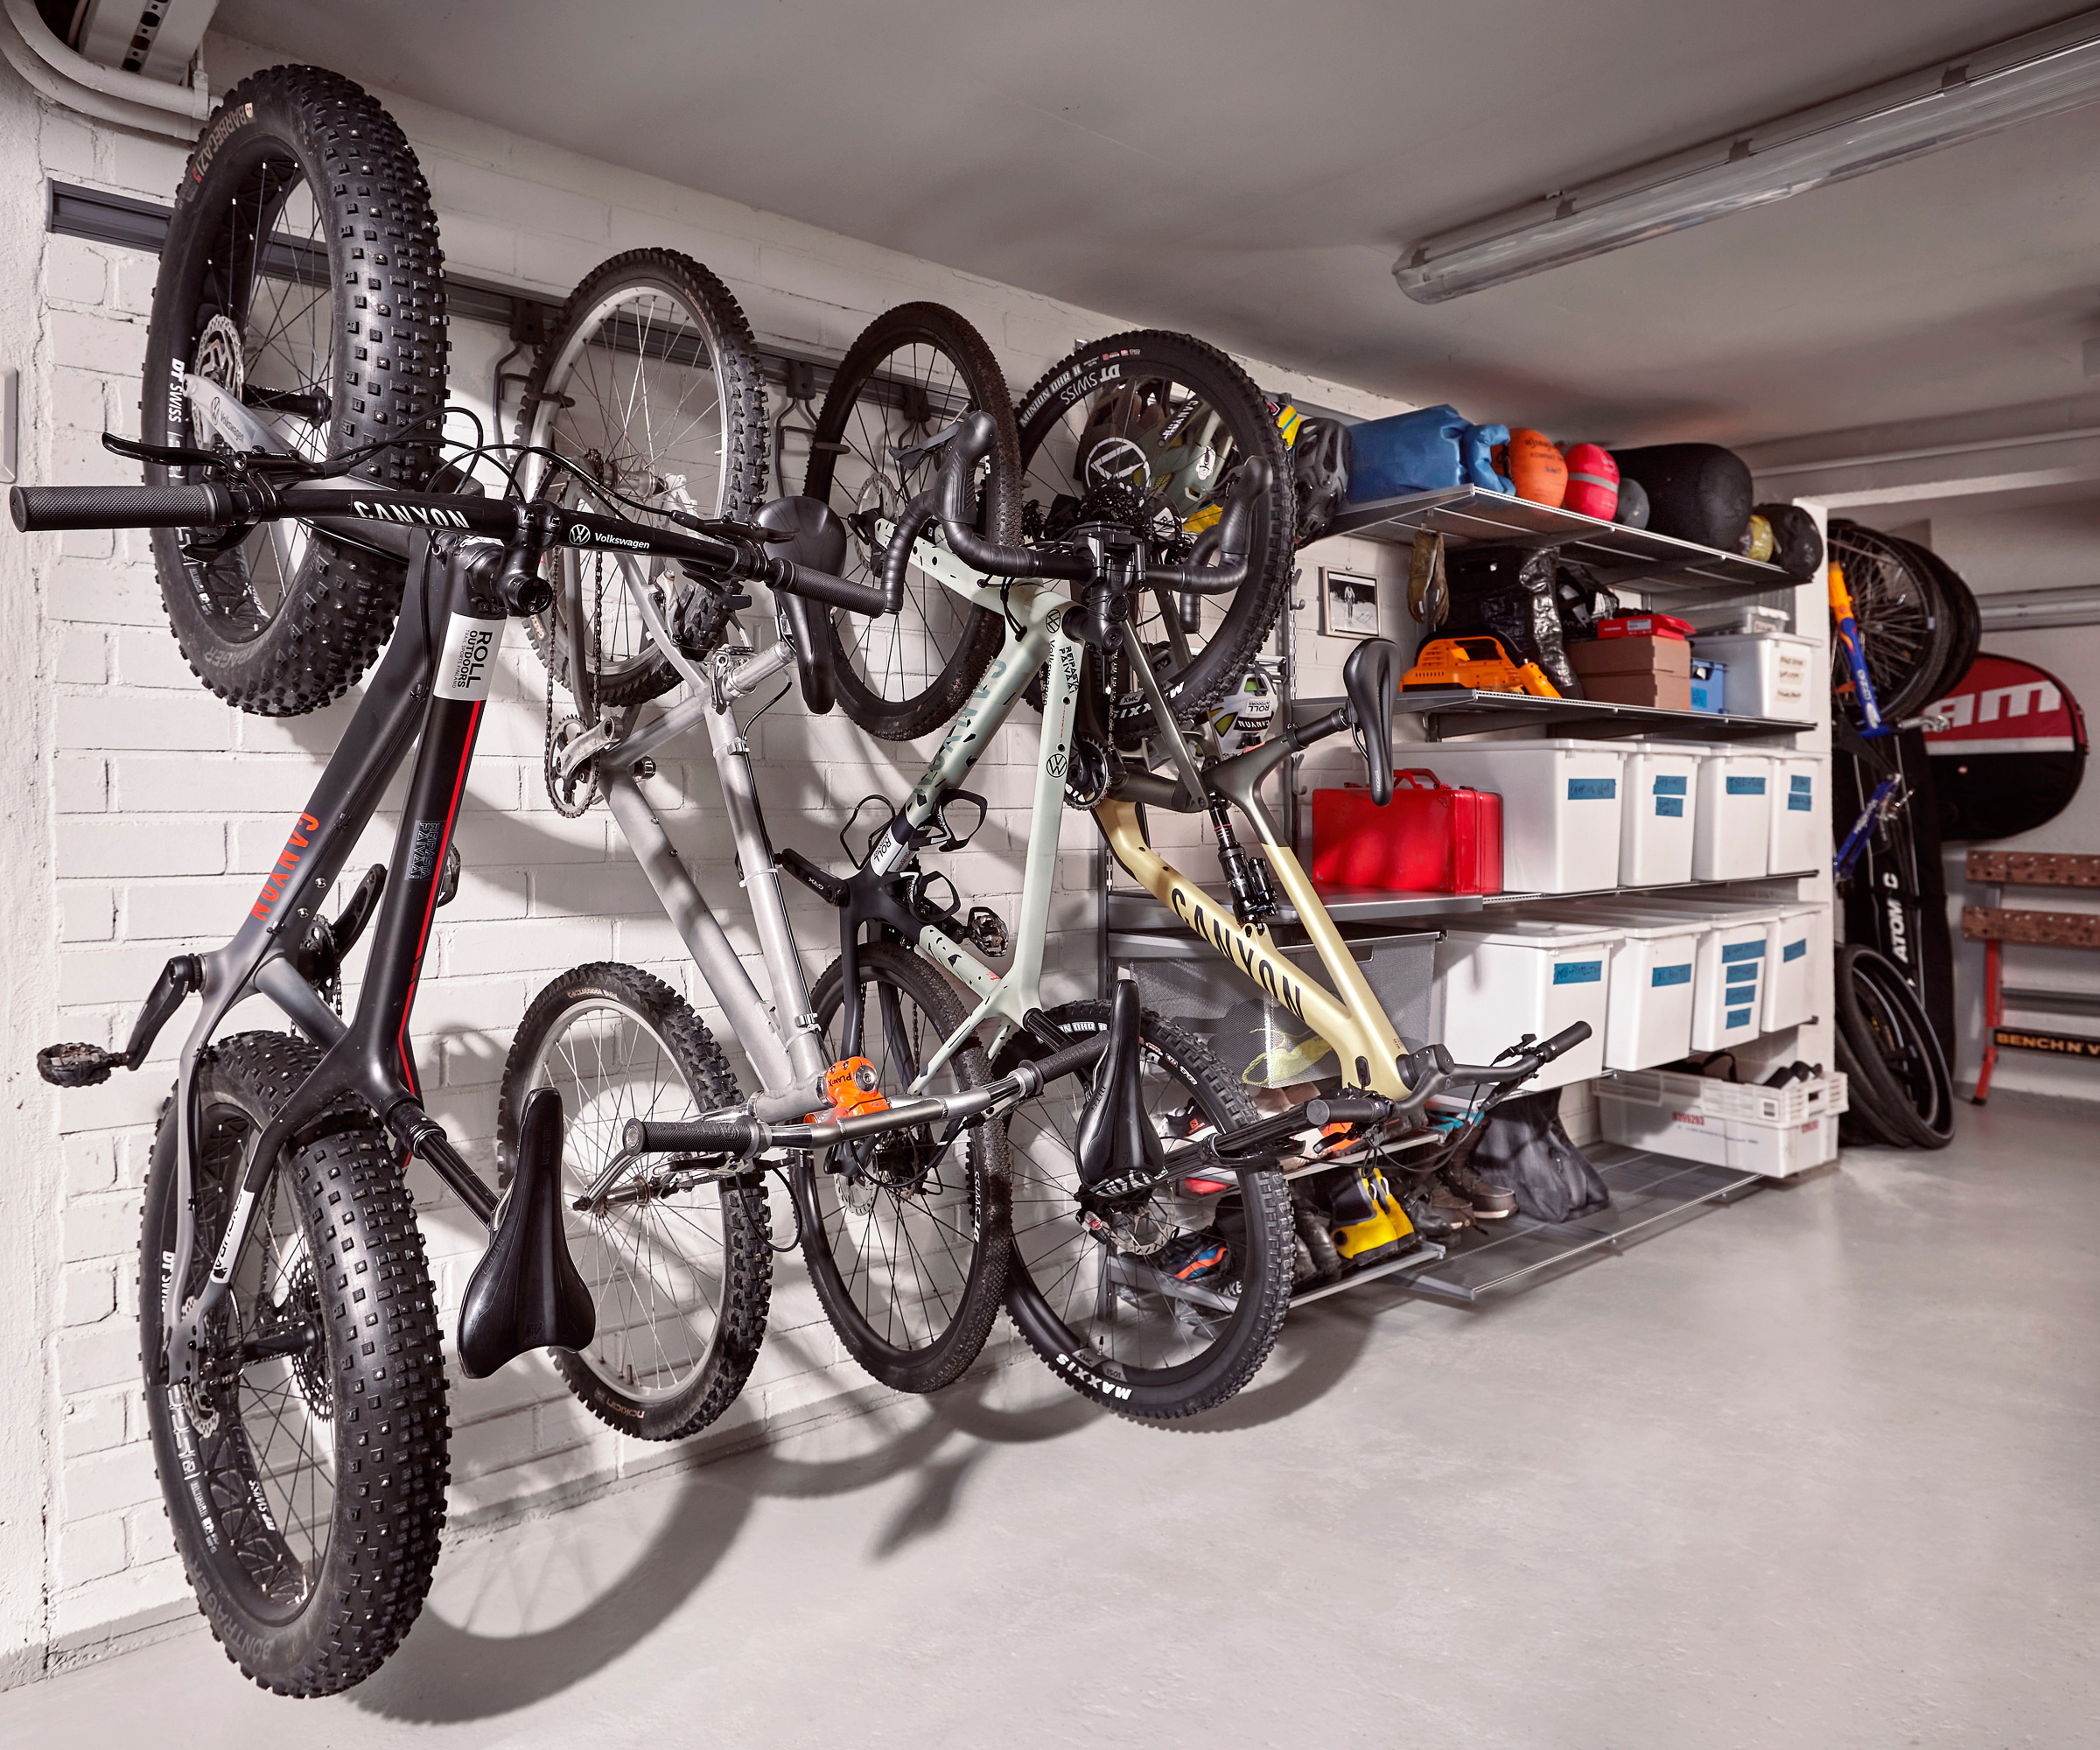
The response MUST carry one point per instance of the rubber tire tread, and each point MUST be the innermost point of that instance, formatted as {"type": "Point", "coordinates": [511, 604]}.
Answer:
{"type": "Point", "coordinates": [338, 616]}
{"type": "Point", "coordinates": [948, 1360]}
{"type": "Point", "coordinates": [1265, 1303]}
{"type": "Point", "coordinates": [741, 385]}
{"type": "Point", "coordinates": [1919, 688]}
{"type": "Point", "coordinates": [1255, 606]}
{"type": "Point", "coordinates": [937, 326]}
{"type": "Point", "coordinates": [385, 1540]}
{"type": "Point", "coordinates": [746, 1216]}
{"type": "Point", "coordinates": [1863, 1124]}
{"type": "Point", "coordinates": [1892, 1110]}
{"type": "Point", "coordinates": [1967, 610]}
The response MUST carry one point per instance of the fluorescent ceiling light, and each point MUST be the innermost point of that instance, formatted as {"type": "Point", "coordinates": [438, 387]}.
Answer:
{"type": "Point", "coordinates": [2043, 72]}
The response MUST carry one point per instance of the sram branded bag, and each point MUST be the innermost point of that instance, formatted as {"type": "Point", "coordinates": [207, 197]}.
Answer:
{"type": "Point", "coordinates": [2014, 754]}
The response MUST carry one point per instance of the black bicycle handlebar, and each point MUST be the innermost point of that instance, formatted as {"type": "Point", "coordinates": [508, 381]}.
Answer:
{"type": "Point", "coordinates": [215, 504]}
{"type": "Point", "coordinates": [1227, 542]}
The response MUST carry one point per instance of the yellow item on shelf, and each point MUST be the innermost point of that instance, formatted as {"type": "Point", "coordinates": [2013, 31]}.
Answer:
{"type": "Point", "coordinates": [1478, 662]}
{"type": "Point", "coordinates": [1390, 1204]}
{"type": "Point", "coordinates": [1363, 1230]}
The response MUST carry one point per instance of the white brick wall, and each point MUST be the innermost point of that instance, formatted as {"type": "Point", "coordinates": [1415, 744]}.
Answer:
{"type": "Point", "coordinates": [163, 807]}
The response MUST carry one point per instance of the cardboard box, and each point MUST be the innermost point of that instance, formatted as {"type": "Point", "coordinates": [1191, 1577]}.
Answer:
{"type": "Point", "coordinates": [1661, 692]}
{"type": "Point", "coordinates": [1667, 657]}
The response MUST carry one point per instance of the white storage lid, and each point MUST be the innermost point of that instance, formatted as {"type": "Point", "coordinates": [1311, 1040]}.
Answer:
{"type": "Point", "coordinates": [1475, 743]}
{"type": "Point", "coordinates": [1631, 921]}
{"type": "Point", "coordinates": [1537, 933]}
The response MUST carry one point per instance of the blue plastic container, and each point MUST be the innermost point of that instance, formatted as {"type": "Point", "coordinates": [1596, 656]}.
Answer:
{"type": "Point", "coordinates": [1430, 448]}
{"type": "Point", "coordinates": [1709, 684]}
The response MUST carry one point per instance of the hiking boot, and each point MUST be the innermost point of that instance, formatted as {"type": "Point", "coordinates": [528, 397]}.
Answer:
{"type": "Point", "coordinates": [1487, 1201]}
{"type": "Point", "coordinates": [1361, 1228]}
{"type": "Point", "coordinates": [1312, 1236]}
{"type": "Point", "coordinates": [1395, 1212]}
{"type": "Point", "coordinates": [1437, 1214]}
{"type": "Point", "coordinates": [1202, 1259]}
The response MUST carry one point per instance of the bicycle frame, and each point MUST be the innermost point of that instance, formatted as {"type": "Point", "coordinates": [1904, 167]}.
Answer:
{"type": "Point", "coordinates": [430, 689]}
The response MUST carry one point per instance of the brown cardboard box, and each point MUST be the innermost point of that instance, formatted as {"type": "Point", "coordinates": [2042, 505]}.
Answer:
{"type": "Point", "coordinates": [1658, 657]}
{"type": "Point", "coordinates": [1665, 692]}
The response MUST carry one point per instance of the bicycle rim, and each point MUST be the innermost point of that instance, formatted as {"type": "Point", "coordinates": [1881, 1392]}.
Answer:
{"type": "Point", "coordinates": [1906, 629]}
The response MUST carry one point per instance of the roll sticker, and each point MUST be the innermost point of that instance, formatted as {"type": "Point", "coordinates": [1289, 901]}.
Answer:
{"type": "Point", "coordinates": [469, 659]}
{"type": "Point", "coordinates": [1671, 808]}
{"type": "Point", "coordinates": [1746, 787]}
{"type": "Point", "coordinates": [1592, 790]}
{"type": "Point", "coordinates": [1664, 977]}
{"type": "Point", "coordinates": [1578, 972]}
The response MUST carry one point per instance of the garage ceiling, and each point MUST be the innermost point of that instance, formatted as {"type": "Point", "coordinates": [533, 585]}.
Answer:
{"type": "Point", "coordinates": [1249, 171]}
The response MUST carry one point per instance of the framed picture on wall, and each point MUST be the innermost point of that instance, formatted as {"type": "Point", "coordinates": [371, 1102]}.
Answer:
{"type": "Point", "coordinates": [1348, 603]}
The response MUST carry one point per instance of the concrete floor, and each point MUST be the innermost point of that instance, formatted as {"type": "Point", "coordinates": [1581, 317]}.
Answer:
{"type": "Point", "coordinates": [1816, 1470]}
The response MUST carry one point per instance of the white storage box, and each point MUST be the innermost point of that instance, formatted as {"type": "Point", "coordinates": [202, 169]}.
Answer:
{"type": "Point", "coordinates": [1560, 807]}
{"type": "Point", "coordinates": [1736, 955]}
{"type": "Point", "coordinates": [1731, 836]}
{"type": "Point", "coordinates": [1529, 977]}
{"type": "Point", "coordinates": [1797, 943]}
{"type": "Point", "coordinates": [1777, 1131]}
{"type": "Point", "coordinates": [1652, 992]}
{"type": "Point", "coordinates": [1801, 836]}
{"type": "Point", "coordinates": [1770, 674]}
{"type": "Point", "coordinates": [1658, 813]}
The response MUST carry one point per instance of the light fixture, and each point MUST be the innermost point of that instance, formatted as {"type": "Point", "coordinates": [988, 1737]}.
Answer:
{"type": "Point", "coordinates": [2042, 73]}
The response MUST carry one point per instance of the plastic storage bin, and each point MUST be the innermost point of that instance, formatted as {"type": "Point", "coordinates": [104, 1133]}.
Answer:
{"type": "Point", "coordinates": [1798, 942]}
{"type": "Point", "coordinates": [1532, 975]}
{"type": "Point", "coordinates": [1732, 838]}
{"type": "Point", "coordinates": [1737, 952]}
{"type": "Point", "coordinates": [1801, 837]}
{"type": "Point", "coordinates": [1657, 814]}
{"type": "Point", "coordinates": [1776, 1132]}
{"type": "Point", "coordinates": [1560, 808]}
{"type": "Point", "coordinates": [1709, 684]}
{"type": "Point", "coordinates": [1652, 992]}
{"type": "Point", "coordinates": [1770, 674]}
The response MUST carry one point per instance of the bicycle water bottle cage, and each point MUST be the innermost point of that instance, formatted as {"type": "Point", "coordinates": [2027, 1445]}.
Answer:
{"type": "Point", "coordinates": [527, 1293]}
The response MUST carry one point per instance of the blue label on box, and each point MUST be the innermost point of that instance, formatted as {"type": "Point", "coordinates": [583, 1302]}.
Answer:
{"type": "Point", "coordinates": [1746, 787]}
{"type": "Point", "coordinates": [1794, 951]}
{"type": "Point", "coordinates": [1744, 950]}
{"type": "Point", "coordinates": [1736, 1018]}
{"type": "Point", "coordinates": [1802, 784]}
{"type": "Point", "coordinates": [1578, 972]}
{"type": "Point", "coordinates": [1744, 974]}
{"type": "Point", "coordinates": [1673, 807]}
{"type": "Point", "coordinates": [1592, 790]}
{"type": "Point", "coordinates": [1800, 805]}
{"type": "Point", "coordinates": [1673, 787]}
{"type": "Point", "coordinates": [1670, 975]}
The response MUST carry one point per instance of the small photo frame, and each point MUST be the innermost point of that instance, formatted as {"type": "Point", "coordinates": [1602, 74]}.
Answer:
{"type": "Point", "coordinates": [1348, 603]}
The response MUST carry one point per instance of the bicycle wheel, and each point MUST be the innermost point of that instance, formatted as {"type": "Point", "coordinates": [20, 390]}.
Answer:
{"type": "Point", "coordinates": [304, 1474]}
{"type": "Point", "coordinates": [1154, 425]}
{"type": "Point", "coordinates": [908, 1241]}
{"type": "Point", "coordinates": [1105, 1321]}
{"type": "Point", "coordinates": [911, 374]}
{"type": "Point", "coordinates": [302, 276]}
{"type": "Point", "coordinates": [646, 385]}
{"type": "Point", "coordinates": [1907, 626]}
{"type": "Point", "coordinates": [1964, 609]}
{"type": "Point", "coordinates": [1910, 1095]}
{"type": "Point", "coordinates": [680, 1266]}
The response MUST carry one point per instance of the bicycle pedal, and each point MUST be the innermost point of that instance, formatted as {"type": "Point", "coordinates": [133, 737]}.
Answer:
{"type": "Point", "coordinates": [77, 1065]}
{"type": "Point", "coordinates": [985, 930]}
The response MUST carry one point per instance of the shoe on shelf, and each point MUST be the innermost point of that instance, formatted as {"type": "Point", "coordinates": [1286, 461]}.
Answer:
{"type": "Point", "coordinates": [1395, 1212]}
{"type": "Point", "coordinates": [1312, 1236]}
{"type": "Point", "coordinates": [1202, 1259]}
{"type": "Point", "coordinates": [1438, 1212]}
{"type": "Point", "coordinates": [1361, 1228]}
{"type": "Point", "coordinates": [1488, 1201]}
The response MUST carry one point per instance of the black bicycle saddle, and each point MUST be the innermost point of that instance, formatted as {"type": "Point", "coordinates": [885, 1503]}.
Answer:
{"type": "Point", "coordinates": [819, 543]}
{"type": "Point", "coordinates": [1370, 679]}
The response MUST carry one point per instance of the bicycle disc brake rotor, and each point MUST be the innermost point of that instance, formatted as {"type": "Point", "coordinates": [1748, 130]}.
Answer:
{"type": "Point", "coordinates": [220, 357]}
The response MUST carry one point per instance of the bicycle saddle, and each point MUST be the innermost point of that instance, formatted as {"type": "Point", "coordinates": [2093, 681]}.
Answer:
{"type": "Point", "coordinates": [1113, 1138]}
{"type": "Point", "coordinates": [819, 542]}
{"type": "Point", "coordinates": [526, 1292]}
{"type": "Point", "coordinates": [1370, 678]}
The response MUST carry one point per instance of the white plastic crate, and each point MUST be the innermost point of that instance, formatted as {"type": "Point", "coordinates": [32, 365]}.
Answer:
{"type": "Point", "coordinates": [1561, 803]}
{"type": "Point", "coordinates": [1770, 674]}
{"type": "Point", "coordinates": [1658, 813]}
{"type": "Point", "coordinates": [1732, 838]}
{"type": "Point", "coordinates": [1736, 955]}
{"type": "Point", "coordinates": [1652, 992]}
{"type": "Point", "coordinates": [1776, 1132]}
{"type": "Point", "coordinates": [1801, 837]}
{"type": "Point", "coordinates": [1527, 977]}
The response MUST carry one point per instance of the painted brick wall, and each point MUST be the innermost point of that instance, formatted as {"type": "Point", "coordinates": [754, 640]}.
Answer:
{"type": "Point", "coordinates": [166, 807]}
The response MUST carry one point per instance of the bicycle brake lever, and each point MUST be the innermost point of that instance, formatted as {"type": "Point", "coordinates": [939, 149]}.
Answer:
{"type": "Point", "coordinates": [724, 528]}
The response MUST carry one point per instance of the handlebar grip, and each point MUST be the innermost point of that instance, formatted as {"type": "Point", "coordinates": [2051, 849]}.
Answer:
{"type": "Point", "coordinates": [689, 1136]}
{"type": "Point", "coordinates": [1563, 1042]}
{"type": "Point", "coordinates": [897, 557]}
{"type": "Point", "coordinates": [1084, 1055]}
{"type": "Point", "coordinates": [202, 506]}
{"type": "Point", "coordinates": [804, 580]}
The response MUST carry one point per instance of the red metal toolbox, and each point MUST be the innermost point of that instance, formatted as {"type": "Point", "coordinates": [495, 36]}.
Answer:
{"type": "Point", "coordinates": [1430, 839]}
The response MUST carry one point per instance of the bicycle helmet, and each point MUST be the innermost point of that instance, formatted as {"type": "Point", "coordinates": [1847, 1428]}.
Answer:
{"type": "Point", "coordinates": [1243, 715]}
{"type": "Point", "coordinates": [1177, 456]}
{"type": "Point", "coordinates": [1319, 470]}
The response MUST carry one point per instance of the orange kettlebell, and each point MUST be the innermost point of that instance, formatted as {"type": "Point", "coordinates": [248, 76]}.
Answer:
{"type": "Point", "coordinates": [1538, 470]}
